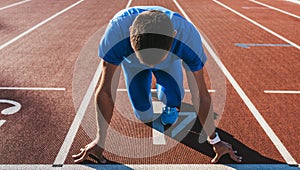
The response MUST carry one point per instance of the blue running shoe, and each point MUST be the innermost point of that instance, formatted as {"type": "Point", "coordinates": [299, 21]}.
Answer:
{"type": "Point", "coordinates": [169, 115]}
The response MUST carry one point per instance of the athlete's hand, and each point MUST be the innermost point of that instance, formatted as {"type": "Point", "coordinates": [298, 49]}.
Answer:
{"type": "Point", "coordinates": [223, 148]}
{"type": "Point", "coordinates": [90, 149]}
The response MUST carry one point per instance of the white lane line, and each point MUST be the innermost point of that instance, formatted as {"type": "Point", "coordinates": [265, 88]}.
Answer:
{"type": "Point", "coordinates": [128, 4]}
{"type": "Point", "coordinates": [38, 25]}
{"type": "Point", "coordinates": [276, 9]}
{"type": "Point", "coordinates": [259, 25]}
{"type": "Point", "coordinates": [282, 91]}
{"type": "Point", "coordinates": [15, 4]}
{"type": "Point", "coordinates": [2, 122]}
{"type": "Point", "coordinates": [154, 90]}
{"type": "Point", "coordinates": [294, 1]}
{"type": "Point", "coordinates": [253, 7]}
{"type": "Point", "coordinates": [270, 133]}
{"type": "Point", "coordinates": [65, 148]}
{"type": "Point", "coordinates": [33, 88]}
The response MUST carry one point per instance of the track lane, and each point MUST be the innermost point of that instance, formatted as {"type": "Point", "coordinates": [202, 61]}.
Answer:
{"type": "Point", "coordinates": [14, 4]}
{"type": "Point", "coordinates": [29, 136]}
{"type": "Point", "coordinates": [29, 62]}
{"type": "Point", "coordinates": [19, 19]}
{"type": "Point", "coordinates": [283, 5]}
{"type": "Point", "coordinates": [249, 147]}
{"type": "Point", "coordinates": [280, 23]}
{"type": "Point", "coordinates": [8, 2]}
{"type": "Point", "coordinates": [81, 139]}
{"type": "Point", "coordinates": [276, 9]}
{"type": "Point", "coordinates": [257, 68]}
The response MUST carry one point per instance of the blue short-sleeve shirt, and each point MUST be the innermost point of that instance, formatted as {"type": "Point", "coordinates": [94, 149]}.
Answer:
{"type": "Point", "coordinates": [115, 44]}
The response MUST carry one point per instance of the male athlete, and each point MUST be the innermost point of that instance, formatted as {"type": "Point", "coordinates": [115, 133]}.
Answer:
{"type": "Point", "coordinates": [146, 41]}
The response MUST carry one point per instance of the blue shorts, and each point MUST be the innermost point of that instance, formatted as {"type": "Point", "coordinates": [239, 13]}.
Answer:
{"type": "Point", "coordinates": [169, 83]}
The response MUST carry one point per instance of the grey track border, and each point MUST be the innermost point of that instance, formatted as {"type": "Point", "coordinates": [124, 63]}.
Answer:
{"type": "Point", "coordinates": [151, 167]}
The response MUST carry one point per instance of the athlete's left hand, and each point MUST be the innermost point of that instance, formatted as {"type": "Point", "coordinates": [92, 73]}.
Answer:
{"type": "Point", "coordinates": [223, 148]}
{"type": "Point", "coordinates": [90, 149]}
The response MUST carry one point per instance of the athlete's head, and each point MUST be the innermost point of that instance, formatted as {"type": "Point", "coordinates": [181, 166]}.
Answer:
{"type": "Point", "coordinates": [151, 37]}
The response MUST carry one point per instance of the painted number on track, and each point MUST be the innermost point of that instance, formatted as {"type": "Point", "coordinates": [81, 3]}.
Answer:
{"type": "Point", "coordinates": [158, 128]}
{"type": "Point", "coordinates": [10, 110]}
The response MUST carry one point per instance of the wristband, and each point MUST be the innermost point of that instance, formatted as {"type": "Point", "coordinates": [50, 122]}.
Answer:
{"type": "Point", "coordinates": [214, 140]}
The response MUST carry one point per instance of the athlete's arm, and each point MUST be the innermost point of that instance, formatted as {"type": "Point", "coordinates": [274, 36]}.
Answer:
{"type": "Point", "coordinates": [201, 101]}
{"type": "Point", "coordinates": [104, 102]}
{"type": "Point", "coordinates": [105, 95]}
{"type": "Point", "coordinates": [203, 105]}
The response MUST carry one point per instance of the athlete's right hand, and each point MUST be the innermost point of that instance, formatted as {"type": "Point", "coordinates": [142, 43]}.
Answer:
{"type": "Point", "coordinates": [90, 149]}
{"type": "Point", "coordinates": [223, 148]}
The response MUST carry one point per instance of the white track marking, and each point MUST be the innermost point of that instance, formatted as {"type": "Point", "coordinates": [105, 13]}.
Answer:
{"type": "Point", "coordinates": [182, 11]}
{"type": "Point", "coordinates": [33, 88]}
{"type": "Point", "coordinates": [252, 7]}
{"type": "Point", "coordinates": [38, 25]}
{"type": "Point", "coordinates": [157, 107]}
{"type": "Point", "coordinates": [154, 90]}
{"type": "Point", "coordinates": [158, 137]}
{"type": "Point", "coordinates": [2, 122]}
{"type": "Point", "coordinates": [128, 4]}
{"type": "Point", "coordinates": [15, 4]}
{"type": "Point", "coordinates": [282, 91]}
{"type": "Point", "coordinates": [190, 117]}
{"type": "Point", "coordinates": [270, 133]}
{"type": "Point", "coordinates": [259, 25]}
{"type": "Point", "coordinates": [65, 148]}
{"type": "Point", "coordinates": [294, 1]}
{"type": "Point", "coordinates": [276, 9]}
{"type": "Point", "coordinates": [10, 110]}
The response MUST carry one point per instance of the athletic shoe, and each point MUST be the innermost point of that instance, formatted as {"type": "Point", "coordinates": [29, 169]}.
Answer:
{"type": "Point", "coordinates": [169, 115]}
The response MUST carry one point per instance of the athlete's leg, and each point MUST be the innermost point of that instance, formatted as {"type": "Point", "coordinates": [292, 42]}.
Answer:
{"type": "Point", "coordinates": [169, 85]}
{"type": "Point", "coordinates": [170, 91]}
{"type": "Point", "coordinates": [138, 86]}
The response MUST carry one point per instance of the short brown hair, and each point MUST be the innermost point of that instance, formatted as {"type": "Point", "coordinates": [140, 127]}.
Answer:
{"type": "Point", "coordinates": [151, 30]}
